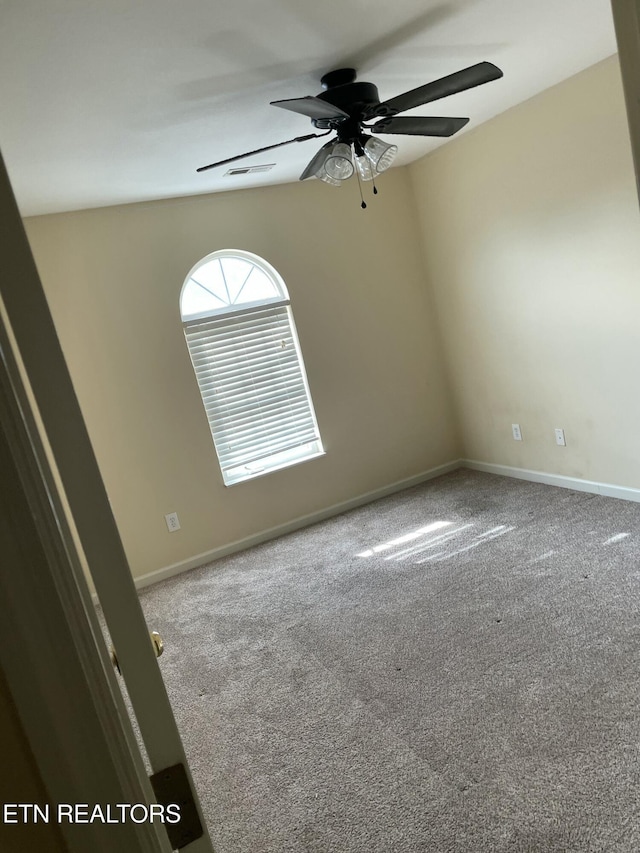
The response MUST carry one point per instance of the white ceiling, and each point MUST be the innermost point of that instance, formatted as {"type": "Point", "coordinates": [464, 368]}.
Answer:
{"type": "Point", "coordinates": [112, 101]}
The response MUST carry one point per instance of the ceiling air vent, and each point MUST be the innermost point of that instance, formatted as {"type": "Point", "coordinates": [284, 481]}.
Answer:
{"type": "Point", "coordinates": [249, 170]}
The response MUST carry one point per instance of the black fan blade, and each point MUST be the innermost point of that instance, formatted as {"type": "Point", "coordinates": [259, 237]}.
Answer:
{"type": "Point", "coordinates": [260, 150]}
{"type": "Point", "coordinates": [420, 125]}
{"type": "Point", "coordinates": [311, 107]}
{"type": "Point", "coordinates": [475, 75]}
{"type": "Point", "coordinates": [314, 165]}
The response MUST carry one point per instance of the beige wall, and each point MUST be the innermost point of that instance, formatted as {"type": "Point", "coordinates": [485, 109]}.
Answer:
{"type": "Point", "coordinates": [366, 328]}
{"type": "Point", "coordinates": [531, 234]}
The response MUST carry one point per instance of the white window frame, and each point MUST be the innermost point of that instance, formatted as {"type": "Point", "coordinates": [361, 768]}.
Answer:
{"type": "Point", "coordinates": [251, 376]}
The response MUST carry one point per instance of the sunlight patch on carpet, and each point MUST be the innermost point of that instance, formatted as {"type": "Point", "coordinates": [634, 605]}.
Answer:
{"type": "Point", "coordinates": [401, 540]}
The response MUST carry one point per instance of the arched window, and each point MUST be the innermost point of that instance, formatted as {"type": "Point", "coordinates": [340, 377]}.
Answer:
{"type": "Point", "coordinates": [246, 356]}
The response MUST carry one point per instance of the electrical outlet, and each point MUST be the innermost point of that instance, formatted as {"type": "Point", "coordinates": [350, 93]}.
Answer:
{"type": "Point", "coordinates": [517, 434]}
{"type": "Point", "coordinates": [173, 523]}
{"type": "Point", "coordinates": [560, 439]}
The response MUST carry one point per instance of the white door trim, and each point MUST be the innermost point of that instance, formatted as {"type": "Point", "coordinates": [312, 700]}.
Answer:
{"type": "Point", "coordinates": [51, 648]}
{"type": "Point", "coordinates": [51, 627]}
{"type": "Point", "coordinates": [626, 19]}
{"type": "Point", "coordinates": [54, 658]}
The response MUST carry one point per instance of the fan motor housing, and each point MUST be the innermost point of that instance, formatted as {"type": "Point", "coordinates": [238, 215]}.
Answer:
{"type": "Point", "coordinates": [353, 98]}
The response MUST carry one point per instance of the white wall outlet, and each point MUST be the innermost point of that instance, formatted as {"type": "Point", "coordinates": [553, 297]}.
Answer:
{"type": "Point", "coordinates": [173, 523]}
{"type": "Point", "coordinates": [517, 434]}
{"type": "Point", "coordinates": [560, 439]}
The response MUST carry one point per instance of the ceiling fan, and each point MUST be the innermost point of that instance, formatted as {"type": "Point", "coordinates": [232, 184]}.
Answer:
{"type": "Point", "coordinates": [353, 110]}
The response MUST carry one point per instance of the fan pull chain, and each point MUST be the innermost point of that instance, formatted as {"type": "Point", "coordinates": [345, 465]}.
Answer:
{"type": "Point", "coordinates": [363, 203]}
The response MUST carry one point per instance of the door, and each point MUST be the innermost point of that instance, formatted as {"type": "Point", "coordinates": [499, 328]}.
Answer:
{"type": "Point", "coordinates": [48, 425]}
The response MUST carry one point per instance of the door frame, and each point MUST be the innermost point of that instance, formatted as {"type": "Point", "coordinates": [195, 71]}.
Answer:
{"type": "Point", "coordinates": [68, 704]}
{"type": "Point", "coordinates": [626, 20]}
{"type": "Point", "coordinates": [56, 514]}
{"type": "Point", "coordinates": [51, 650]}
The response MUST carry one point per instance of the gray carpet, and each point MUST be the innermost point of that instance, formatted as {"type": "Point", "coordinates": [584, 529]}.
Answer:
{"type": "Point", "coordinates": [473, 687]}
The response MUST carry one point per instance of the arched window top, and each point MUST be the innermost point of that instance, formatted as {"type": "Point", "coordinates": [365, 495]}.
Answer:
{"type": "Point", "coordinates": [228, 281]}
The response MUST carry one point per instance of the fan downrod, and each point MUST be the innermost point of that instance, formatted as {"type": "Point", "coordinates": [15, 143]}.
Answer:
{"type": "Point", "coordinates": [339, 77]}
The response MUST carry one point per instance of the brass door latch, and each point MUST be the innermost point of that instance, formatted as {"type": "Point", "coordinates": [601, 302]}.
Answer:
{"type": "Point", "coordinates": [158, 646]}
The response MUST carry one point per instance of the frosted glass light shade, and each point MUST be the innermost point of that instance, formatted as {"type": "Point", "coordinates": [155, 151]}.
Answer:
{"type": "Point", "coordinates": [365, 167]}
{"type": "Point", "coordinates": [327, 178]}
{"type": "Point", "coordinates": [338, 164]}
{"type": "Point", "coordinates": [380, 154]}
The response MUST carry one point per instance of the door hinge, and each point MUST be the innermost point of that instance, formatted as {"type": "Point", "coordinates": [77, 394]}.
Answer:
{"type": "Point", "coordinates": [171, 787]}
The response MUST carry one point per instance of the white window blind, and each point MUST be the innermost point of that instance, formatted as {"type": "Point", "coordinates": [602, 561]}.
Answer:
{"type": "Point", "coordinates": [251, 376]}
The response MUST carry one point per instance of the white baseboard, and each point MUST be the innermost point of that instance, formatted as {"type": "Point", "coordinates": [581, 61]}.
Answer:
{"type": "Point", "coordinates": [291, 526]}
{"type": "Point", "coordinates": [605, 489]}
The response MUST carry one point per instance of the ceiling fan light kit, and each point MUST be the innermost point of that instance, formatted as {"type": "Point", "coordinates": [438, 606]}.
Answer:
{"type": "Point", "coordinates": [365, 171]}
{"type": "Point", "coordinates": [380, 153]}
{"type": "Point", "coordinates": [353, 109]}
{"type": "Point", "coordinates": [338, 158]}
{"type": "Point", "coordinates": [338, 164]}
